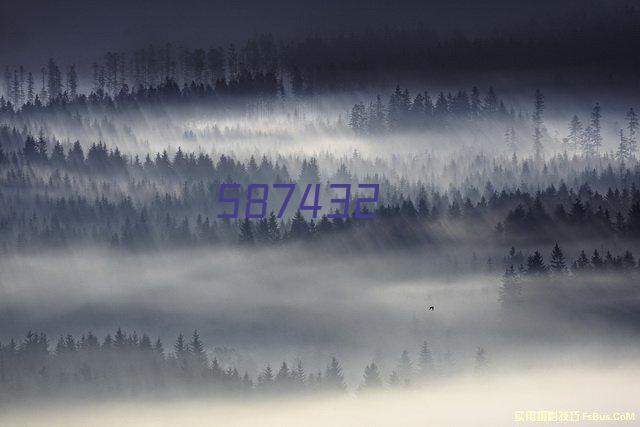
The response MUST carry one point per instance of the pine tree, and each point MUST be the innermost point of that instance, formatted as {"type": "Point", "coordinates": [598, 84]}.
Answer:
{"type": "Point", "coordinates": [41, 146]}
{"type": "Point", "coordinates": [593, 134]}
{"type": "Point", "coordinates": [145, 343]}
{"type": "Point", "coordinates": [538, 124]}
{"type": "Point", "coordinates": [558, 263]}
{"type": "Point", "coordinates": [30, 150]}
{"type": "Point", "coordinates": [628, 261]}
{"type": "Point", "coordinates": [632, 128]}
{"type": "Point", "coordinates": [60, 347]}
{"type": "Point", "coordinates": [376, 117]}
{"type": "Point", "coordinates": [624, 149]}
{"type": "Point", "coordinates": [30, 88]}
{"type": "Point", "coordinates": [333, 377]}
{"type": "Point", "coordinates": [299, 227]}
{"type": "Point", "coordinates": [575, 139]}
{"type": "Point", "coordinates": [262, 231]}
{"type": "Point", "coordinates": [620, 224]}
{"type": "Point", "coordinates": [535, 264]}
{"type": "Point", "coordinates": [21, 94]}
{"type": "Point", "coordinates": [358, 119]}
{"type": "Point", "coordinates": [405, 368]}
{"type": "Point", "coordinates": [582, 262]}
{"type": "Point", "coordinates": [72, 81]}
{"type": "Point", "coordinates": [54, 82]}
{"type": "Point", "coordinates": [246, 232]}
{"type": "Point", "coordinates": [283, 377]}
{"type": "Point", "coordinates": [158, 348]}
{"type": "Point", "coordinates": [371, 378]}
{"type": "Point", "coordinates": [15, 90]}
{"type": "Point", "coordinates": [510, 139]}
{"type": "Point", "coordinates": [180, 348]}
{"type": "Point", "coordinates": [196, 349]}
{"type": "Point", "coordinates": [43, 91]}
{"type": "Point", "coordinates": [426, 360]}
{"type": "Point", "coordinates": [274, 229]}
{"type": "Point", "coordinates": [298, 375]}
{"type": "Point", "coordinates": [247, 384]}
{"type": "Point", "coordinates": [491, 104]}
{"type": "Point", "coordinates": [511, 289]}
{"type": "Point", "coordinates": [57, 155]}
{"type": "Point", "coordinates": [596, 260]}
{"type": "Point", "coordinates": [266, 378]}
{"type": "Point", "coordinates": [216, 371]}
{"type": "Point", "coordinates": [474, 103]}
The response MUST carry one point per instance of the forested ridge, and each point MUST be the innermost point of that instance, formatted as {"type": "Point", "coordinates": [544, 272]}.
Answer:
{"type": "Point", "coordinates": [129, 364]}
{"type": "Point", "coordinates": [54, 197]}
{"type": "Point", "coordinates": [135, 365]}
{"type": "Point", "coordinates": [316, 64]}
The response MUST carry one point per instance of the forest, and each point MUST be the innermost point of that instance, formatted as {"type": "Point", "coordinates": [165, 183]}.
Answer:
{"type": "Point", "coordinates": [112, 199]}
{"type": "Point", "coordinates": [132, 364]}
{"type": "Point", "coordinates": [502, 241]}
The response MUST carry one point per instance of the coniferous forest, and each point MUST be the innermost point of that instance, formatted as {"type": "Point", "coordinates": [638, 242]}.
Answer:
{"type": "Point", "coordinates": [395, 216]}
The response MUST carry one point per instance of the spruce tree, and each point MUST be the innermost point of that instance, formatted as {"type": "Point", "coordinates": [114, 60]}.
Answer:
{"type": "Point", "coordinates": [426, 360]}
{"type": "Point", "coordinates": [632, 127]}
{"type": "Point", "coordinates": [180, 348]}
{"type": "Point", "coordinates": [558, 263]}
{"type": "Point", "coordinates": [511, 290]}
{"type": "Point", "coordinates": [371, 377]}
{"type": "Point", "coordinates": [582, 262]}
{"type": "Point", "coordinates": [299, 227]}
{"type": "Point", "coordinates": [283, 377]}
{"type": "Point", "coordinates": [624, 149]}
{"type": "Point", "coordinates": [405, 368]}
{"type": "Point", "coordinates": [575, 134]}
{"type": "Point", "coordinates": [538, 124]}
{"type": "Point", "coordinates": [298, 375]}
{"type": "Point", "coordinates": [535, 264]}
{"type": "Point", "coordinates": [594, 132]}
{"type": "Point", "coordinates": [246, 232]}
{"type": "Point", "coordinates": [196, 349]}
{"type": "Point", "coordinates": [333, 377]}
{"type": "Point", "coordinates": [596, 260]}
{"type": "Point", "coordinates": [266, 379]}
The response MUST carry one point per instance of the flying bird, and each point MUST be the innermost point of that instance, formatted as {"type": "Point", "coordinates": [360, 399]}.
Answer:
{"type": "Point", "coordinates": [431, 308]}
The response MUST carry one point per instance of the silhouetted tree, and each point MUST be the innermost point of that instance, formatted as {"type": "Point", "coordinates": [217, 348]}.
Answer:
{"type": "Point", "coordinates": [558, 264]}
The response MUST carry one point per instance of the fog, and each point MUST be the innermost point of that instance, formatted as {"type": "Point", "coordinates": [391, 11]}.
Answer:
{"type": "Point", "coordinates": [266, 306]}
{"type": "Point", "coordinates": [321, 124]}
{"type": "Point", "coordinates": [579, 393]}
{"type": "Point", "coordinates": [476, 261]}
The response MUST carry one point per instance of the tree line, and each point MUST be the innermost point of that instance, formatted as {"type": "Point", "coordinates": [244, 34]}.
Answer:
{"type": "Point", "coordinates": [112, 199]}
{"type": "Point", "coordinates": [403, 112]}
{"type": "Point", "coordinates": [320, 64]}
{"type": "Point", "coordinates": [133, 364]}
{"type": "Point", "coordinates": [586, 284]}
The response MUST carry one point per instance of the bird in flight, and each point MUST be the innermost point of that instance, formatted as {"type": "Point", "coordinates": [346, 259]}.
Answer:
{"type": "Point", "coordinates": [431, 308]}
